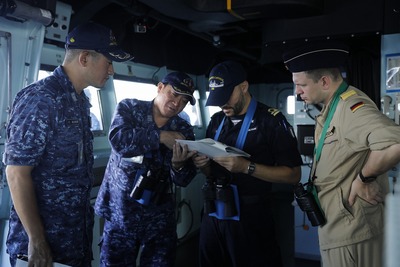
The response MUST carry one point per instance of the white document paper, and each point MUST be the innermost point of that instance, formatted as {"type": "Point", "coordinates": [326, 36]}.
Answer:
{"type": "Point", "coordinates": [212, 148]}
{"type": "Point", "coordinates": [22, 263]}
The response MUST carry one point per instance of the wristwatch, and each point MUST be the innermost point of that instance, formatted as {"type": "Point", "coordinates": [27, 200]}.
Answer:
{"type": "Point", "coordinates": [251, 168]}
{"type": "Point", "coordinates": [177, 170]}
{"type": "Point", "coordinates": [368, 179]}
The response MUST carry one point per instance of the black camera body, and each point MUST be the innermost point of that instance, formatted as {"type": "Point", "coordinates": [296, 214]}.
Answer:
{"type": "Point", "coordinates": [161, 187]}
{"type": "Point", "coordinates": [150, 187]}
{"type": "Point", "coordinates": [309, 205]}
{"type": "Point", "coordinates": [142, 182]}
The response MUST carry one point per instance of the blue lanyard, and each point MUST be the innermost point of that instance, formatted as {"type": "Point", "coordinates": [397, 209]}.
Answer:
{"type": "Point", "coordinates": [245, 126]}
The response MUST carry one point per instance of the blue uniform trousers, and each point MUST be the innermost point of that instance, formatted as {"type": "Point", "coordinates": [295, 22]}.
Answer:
{"type": "Point", "coordinates": [153, 236]}
{"type": "Point", "coordinates": [249, 242]}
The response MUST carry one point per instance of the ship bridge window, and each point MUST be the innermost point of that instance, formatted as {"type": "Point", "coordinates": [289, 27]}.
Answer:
{"type": "Point", "coordinates": [290, 104]}
{"type": "Point", "coordinates": [95, 111]}
{"type": "Point", "coordinates": [212, 109]}
{"type": "Point", "coordinates": [148, 91]}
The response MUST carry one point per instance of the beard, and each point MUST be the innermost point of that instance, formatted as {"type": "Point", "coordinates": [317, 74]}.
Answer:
{"type": "Point", "coordinates": [238, 107]}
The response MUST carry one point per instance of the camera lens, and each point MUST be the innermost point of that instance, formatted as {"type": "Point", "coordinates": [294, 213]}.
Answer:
{"type": "Point", "coordinates": [299, 190]}
{"type": "Point", "coordinates": [309, 205]}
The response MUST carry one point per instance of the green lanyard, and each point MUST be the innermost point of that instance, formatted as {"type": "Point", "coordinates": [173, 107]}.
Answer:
{"type": "Point", "coordinates": [317, 151]}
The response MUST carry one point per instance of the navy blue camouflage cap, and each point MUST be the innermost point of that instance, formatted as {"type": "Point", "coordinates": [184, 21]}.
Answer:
{"type": "Point", "coordinates": [223, 79]}
{"type": "Point", "coordinates": [181, 83]}
{"type": "Point", "coordinates": [316, 55]}
{"type": "Point", "coordinates": [93, 36]}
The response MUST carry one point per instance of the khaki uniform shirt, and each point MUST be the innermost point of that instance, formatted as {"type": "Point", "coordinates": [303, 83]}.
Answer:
{"type": "Point", "coordinates": [356, 128]}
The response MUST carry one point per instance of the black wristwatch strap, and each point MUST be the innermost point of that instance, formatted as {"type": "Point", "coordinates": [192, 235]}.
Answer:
{"type": "Point", "coordinates": [367, 179]}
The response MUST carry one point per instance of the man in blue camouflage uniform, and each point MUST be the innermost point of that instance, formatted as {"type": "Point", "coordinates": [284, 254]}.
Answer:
{"type": "Point", "coordinates": [49, 154]}
{"type": "Point", "coordinates": [245, 237]}
{"type": "Point", "coordinates": [135, 197]}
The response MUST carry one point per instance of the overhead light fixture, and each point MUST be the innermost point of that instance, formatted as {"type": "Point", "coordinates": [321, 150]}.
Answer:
{"type": "Point", "coordinates": [20, 11]}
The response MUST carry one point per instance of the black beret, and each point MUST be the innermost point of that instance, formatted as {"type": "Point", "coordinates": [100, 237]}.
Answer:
{"type": "Point", "coordinates": [316, 56]}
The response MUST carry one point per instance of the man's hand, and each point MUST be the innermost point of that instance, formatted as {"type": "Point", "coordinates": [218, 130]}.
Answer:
{"type": "Point", "coordinates": [233, 164]}
{"type": "Point", "coordinates": [168, 138]}
{"type": "Point", "coordinates": [39, 254]}
{"type": "Point", "coordinates": [180, 154]}
{"type": "Point", "coordinates": [201, 160]}
{"type": "Point", "coordinates": [370, 192]}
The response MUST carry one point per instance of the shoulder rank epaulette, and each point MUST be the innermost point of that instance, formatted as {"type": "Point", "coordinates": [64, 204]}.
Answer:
{"type": "Point", "coordinates": [347, 94]}
{"type": "Point", "coordinates": [273, 111]}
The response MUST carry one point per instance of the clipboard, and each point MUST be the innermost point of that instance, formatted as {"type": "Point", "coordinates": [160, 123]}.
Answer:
{"type": "Point", "coordinates": [212, 148]}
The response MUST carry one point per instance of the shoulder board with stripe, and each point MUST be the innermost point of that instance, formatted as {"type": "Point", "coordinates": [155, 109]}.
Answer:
{"type": "Point", "coordinates": [273, 111]}
{"type": "Point", "coordinates": [347, 94]}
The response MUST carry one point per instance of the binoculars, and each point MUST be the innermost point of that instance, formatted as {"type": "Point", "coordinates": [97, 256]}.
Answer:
{"type": "Point", "coordinates": [219, 197]}
{"type": "Point", "coordinates": [309, 205]}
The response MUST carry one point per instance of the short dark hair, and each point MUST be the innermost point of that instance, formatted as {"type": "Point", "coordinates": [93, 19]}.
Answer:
{"type": "Point", "coordinates": [316, 74]}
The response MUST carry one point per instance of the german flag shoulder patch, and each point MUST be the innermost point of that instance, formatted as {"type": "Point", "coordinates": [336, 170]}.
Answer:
{"type": "Point", "coordinates": [347, 94]}
{"type": "Point", "coordinates": [356, 106]}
